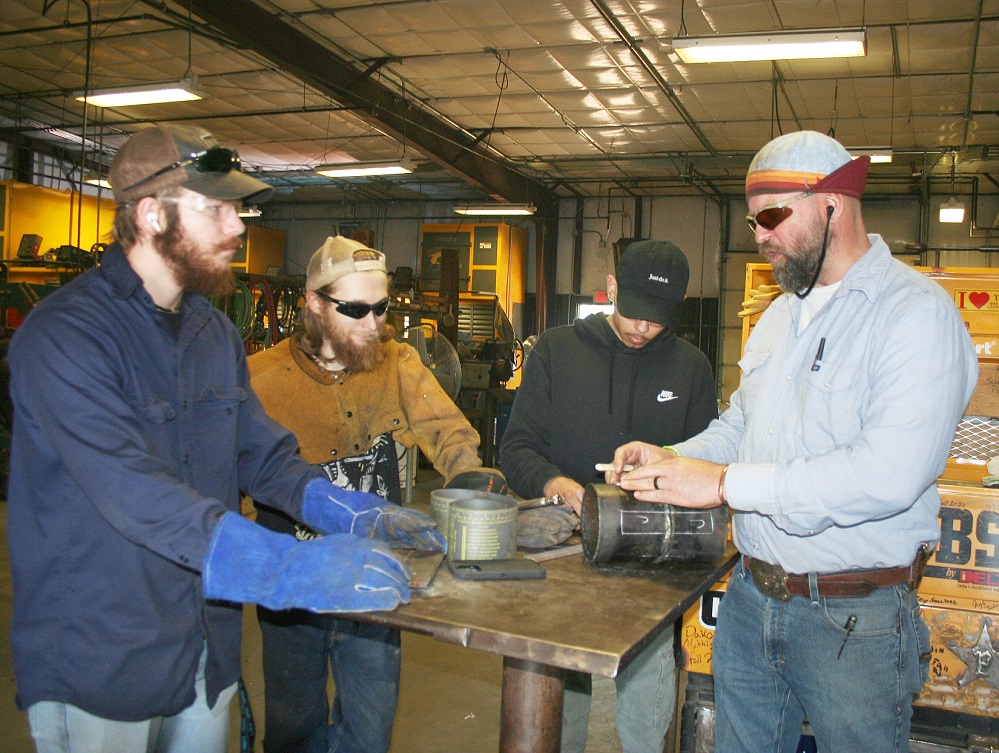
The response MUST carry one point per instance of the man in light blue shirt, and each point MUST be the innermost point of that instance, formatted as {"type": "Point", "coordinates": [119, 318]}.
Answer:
{"type": "Point", "coordinates": [852, 385]}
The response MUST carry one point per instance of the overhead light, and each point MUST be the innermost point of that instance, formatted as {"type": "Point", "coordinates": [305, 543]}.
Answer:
{"type": "Point", "coordinates": [60, 133]}
{"type": "Point", "coordinates": [952, 210]}
{"type": "Point", "coordinates": [496, 210]}
{"type": "Point", "coordinates": [876, 155]}
{"type": "Point", "coordinates": [777, 45]}
{"type": "Point", "coordinates": [143, 94]}
{"type": "Point", "coordinates": [97, 180]}
{"type": "Point", "coordinates": [249, 212]}
{"type": "Point", "coordinates": [361, 169]}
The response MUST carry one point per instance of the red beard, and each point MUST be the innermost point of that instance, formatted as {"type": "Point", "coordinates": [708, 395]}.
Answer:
{"type": "Point", "coordinates": [357, 354]}
{"type": "Point", "coordinates": [196, 267]}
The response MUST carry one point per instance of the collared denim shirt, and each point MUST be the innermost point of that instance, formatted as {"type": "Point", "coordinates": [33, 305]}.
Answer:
{"type": "Point", "coordinates": [128, 444]}
{"type": "Point", "coordinates": [834, 467]}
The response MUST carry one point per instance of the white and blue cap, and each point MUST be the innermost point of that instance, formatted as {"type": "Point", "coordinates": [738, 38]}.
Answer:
{"type": "Point", "coordinates": [806, 161]}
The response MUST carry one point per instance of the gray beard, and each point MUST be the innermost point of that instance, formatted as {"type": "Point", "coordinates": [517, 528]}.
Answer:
{"type": "Point", "coordinates": [798, 271]}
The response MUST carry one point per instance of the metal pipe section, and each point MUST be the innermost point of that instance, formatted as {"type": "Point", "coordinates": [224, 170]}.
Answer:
{"type": "Point", "coordinates": [531, 707]}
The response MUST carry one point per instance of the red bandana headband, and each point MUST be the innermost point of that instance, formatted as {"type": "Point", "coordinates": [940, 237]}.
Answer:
{"type": "Point", "coordinates": [848, 179]}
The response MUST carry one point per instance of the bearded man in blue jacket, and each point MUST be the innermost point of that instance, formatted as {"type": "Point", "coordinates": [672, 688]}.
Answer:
{"type": "Point", "coordinates": [135, 430]}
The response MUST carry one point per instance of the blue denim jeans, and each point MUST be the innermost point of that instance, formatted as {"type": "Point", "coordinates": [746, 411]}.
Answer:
{"type": "Point", "coordinates": [58, 727]}
{"type": "Point", "coordinates": [646, 695]}
{"type": "Point", "coordinates": [299, 651]}
{"type": "Point", "coordinates": [777, 663]}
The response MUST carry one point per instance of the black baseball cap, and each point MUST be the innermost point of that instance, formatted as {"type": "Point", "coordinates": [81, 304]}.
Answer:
{"type": "Point", "coordinates": [652, 281]}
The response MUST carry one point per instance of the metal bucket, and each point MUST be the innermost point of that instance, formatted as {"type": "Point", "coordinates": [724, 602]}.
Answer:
{"type": "Point", "coordinates": [482, 528]}
{"type": "Point", "coordinates": [441, 503]}
{"type": "Point", "coordinates": [441, 499]}
{"type": "Point", "coordinates": [616, 527]}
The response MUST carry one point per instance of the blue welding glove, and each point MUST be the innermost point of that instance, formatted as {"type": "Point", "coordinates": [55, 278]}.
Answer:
{"type": "Point", "coordinates": [327, 508]}
{"type": "Point", "coordinates": [338, 573]}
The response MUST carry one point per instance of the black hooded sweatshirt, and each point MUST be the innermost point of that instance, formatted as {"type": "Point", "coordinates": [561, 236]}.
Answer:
{"type": "Point", "coordinates": [585, 393]}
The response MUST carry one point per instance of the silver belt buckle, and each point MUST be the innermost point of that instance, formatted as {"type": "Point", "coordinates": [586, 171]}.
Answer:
{"type": "Point", "coordinates": [770, 579]}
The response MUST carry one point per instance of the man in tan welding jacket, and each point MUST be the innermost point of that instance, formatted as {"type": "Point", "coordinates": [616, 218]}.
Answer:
{"type": "Point", "coordinates": [347, 391]}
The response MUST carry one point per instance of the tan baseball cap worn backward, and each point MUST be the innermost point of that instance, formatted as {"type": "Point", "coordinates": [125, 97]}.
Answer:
{"type": "Point", "coordinates": [335, 259]}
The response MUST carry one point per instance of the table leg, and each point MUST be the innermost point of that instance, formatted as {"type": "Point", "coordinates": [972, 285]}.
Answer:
{"type": "Point", "coordinates": [531, 711]}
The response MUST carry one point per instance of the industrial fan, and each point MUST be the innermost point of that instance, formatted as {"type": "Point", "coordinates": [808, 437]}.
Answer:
{"type": "Point", "coordinates": [437, 354]}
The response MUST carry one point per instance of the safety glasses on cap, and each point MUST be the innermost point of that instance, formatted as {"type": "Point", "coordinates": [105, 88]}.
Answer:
{"type": "Point", "coordinates": [774, 214]}
{"type": "Point", "coordinates": [215, 160]}
{"type": "Point", "coordinates": [356, 309]}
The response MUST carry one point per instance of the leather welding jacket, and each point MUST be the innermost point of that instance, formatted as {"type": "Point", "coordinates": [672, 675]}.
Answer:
{"type": "Point", "coordinates": [128, 444]}
{"type": "Point", "coordinates": [585, 393]}
{"type": "Point", "coordinates": [336, 415]}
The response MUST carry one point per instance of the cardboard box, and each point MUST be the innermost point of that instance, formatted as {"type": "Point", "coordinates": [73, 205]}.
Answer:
{"type": "Point", "coordinates": [697, 630]}
{"type": "Point", "coordinates": [964, 668]}
{"type": "Point", "coordinates": [963, 572]}
{"type": "Point", "coordinates": [975, 292]}
{"type": "Point", "coordinates": [985, 398]}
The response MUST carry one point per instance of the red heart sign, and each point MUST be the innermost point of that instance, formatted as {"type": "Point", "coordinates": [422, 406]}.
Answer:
{"type": "Point", "coordinates": [978, 300]}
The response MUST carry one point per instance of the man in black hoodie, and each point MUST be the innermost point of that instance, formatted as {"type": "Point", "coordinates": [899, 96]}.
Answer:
{"type": "Point", "coordinates": [587, 389]}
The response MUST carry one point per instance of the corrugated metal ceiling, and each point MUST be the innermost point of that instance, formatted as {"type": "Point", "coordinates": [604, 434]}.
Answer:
{"type": "Point", "coordinates": [513, 97]}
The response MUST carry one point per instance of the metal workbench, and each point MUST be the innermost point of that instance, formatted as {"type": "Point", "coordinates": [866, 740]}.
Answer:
{"type": "Point", "coordinates": [579, 617]}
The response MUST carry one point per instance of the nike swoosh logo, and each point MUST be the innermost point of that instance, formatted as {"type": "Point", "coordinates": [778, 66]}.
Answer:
{"type": "Point", "coordinates": [663, 396]}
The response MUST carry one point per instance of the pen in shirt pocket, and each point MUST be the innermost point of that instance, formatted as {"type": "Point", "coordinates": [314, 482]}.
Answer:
{"type": "Point", "coordinates": [817, 361]}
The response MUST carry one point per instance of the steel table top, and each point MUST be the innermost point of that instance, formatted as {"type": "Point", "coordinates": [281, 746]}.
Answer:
{"type": "Point", "coordinates": [580, 617]}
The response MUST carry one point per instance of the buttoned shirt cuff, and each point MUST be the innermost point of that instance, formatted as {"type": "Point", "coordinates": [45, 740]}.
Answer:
{"type": "Point", "coordinates": [749, 487]}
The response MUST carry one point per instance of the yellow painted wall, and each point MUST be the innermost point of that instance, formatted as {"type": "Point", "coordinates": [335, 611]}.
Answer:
{"type": "Point", "coordinates": [52, 214]}
{"type": "Point", "coordinates": [262, 253]}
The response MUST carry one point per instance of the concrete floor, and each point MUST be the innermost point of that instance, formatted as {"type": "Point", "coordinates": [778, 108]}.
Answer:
{"type": "Point", "coordinates": [449, 698]}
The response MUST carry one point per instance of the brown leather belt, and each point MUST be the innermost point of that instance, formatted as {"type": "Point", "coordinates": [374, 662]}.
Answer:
{"type": "Point", "coordinates": [774, 582]}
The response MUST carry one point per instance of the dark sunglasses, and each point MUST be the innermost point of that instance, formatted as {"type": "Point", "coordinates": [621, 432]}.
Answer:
{"type": "Point", "coordinates": [216, 160]}
{"type": "Point", "coordinates": [771, 216]}
{"type": "Point", "coordinates": [356, 309]}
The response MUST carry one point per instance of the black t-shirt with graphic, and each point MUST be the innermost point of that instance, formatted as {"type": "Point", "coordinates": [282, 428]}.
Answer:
{"type": "Point", "coordinates": [375, 471]}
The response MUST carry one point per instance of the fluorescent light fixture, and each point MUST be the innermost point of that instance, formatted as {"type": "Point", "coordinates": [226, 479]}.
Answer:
{"type": "Point", "coordinates": [777, 45]}
{"type": "Point", "coordinates": [97, 180]}
{"type": "Point", "coordinates": [66, 135]}
{"type": "Point", "coordinates": [143, 94]}
{"type": "Point", "coordinates": [876, 155]}
{"type": "Point", "coordinates": [952, 210]}
{"type": "Point", "coordinates": [363, 169]}
{"type": "Point", "coordinates": [249, 212]}
{"type": "Point", "coordinates": [496, 210]}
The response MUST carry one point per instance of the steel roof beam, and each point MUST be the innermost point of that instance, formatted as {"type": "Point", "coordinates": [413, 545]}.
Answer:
{"type": "Point", "coordinates": [294, 51]}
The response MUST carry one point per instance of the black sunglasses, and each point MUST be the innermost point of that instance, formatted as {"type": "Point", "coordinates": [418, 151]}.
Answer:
{"type": "Point", "coordinates": [356, 309]}
{"type": "Point", "coordinates": [215, 160]}
{"type": "Point", "coordinates": [771, 216]}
